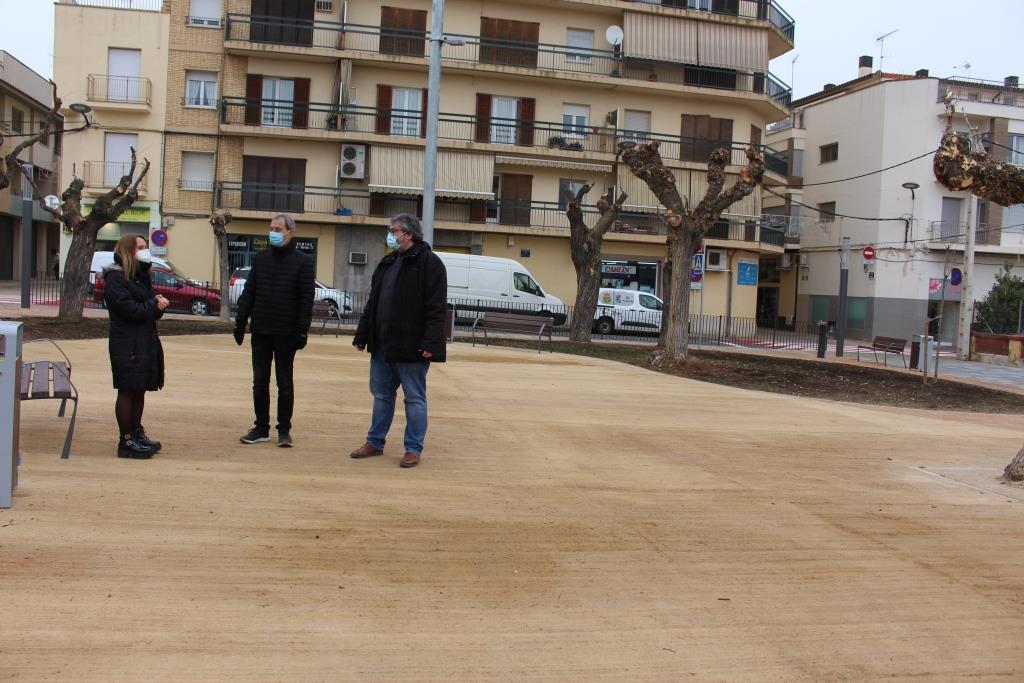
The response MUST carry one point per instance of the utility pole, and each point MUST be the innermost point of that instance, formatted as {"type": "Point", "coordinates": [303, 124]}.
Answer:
{"type": "Point", "coordinates": [963, 346]}
{"type": "Point", "coordinates": [844, 284]}
{"type": "Point", "coordinates": [26, 237]}
{"type": "Point", "coordinates": [433, 112]}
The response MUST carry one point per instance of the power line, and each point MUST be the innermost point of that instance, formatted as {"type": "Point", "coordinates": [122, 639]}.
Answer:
{"type": "Point", "coordinates": [870, 173]}
{"type": "Point", "coordinates": [830, 213]}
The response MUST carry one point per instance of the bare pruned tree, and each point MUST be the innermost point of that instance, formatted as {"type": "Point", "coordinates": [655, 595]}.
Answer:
{"type": "Point", "coordinates": [10, 164]}
{"type": "Point", "coordinates": [585, 245]}
{"type": "Point", "coordinates": [219, 220]}
{"type": "Point", "coordinates": [687, 227]}
{"type": "Point", "coordinates": [959, 168]}
{"type": "Point", "coordinates": [84, 229]}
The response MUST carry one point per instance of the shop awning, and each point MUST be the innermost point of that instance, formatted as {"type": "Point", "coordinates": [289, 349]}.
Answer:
{"type": "Point", "coordinates": [399, 170]}
{"type": "Point", "coordinates": [553, 163]}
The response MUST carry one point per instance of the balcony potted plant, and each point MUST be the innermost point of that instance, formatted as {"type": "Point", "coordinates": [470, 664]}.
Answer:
{"type": "Point", "coordinates": [556, 141]}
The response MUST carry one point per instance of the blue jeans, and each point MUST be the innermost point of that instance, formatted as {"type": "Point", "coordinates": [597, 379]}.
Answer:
{"type": "Point", "coordinates": [385, 378]}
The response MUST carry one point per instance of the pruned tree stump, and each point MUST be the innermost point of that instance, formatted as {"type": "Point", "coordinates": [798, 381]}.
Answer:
{"type": "Point", "coordinates": [1015, 470]}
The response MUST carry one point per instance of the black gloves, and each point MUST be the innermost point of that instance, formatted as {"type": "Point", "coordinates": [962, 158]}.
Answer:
{"type": "Point", "coordinates": [300, 341]}
{"type": "Point", "coordinates": [239, 335]}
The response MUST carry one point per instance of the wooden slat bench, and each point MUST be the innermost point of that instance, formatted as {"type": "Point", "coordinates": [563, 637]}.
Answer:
{"type": "Point", "coordinates": [47, 379]}
{"type": "Point", "coordinates": [886, 345]}
{"type": "Point", "coordinates": [539, 325]}
{"type": "Point", "coordinates": [322, 312]}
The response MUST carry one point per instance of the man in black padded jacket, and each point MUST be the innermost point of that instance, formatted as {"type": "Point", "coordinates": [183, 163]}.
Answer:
{"type": "Point", "coordinates": [277, 303]}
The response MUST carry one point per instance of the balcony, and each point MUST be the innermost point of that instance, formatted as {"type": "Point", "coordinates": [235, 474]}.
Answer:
{"type": "Point", "coordinates": [764, 10]}
{"type": "Point", "coordinates": [100, 176]}
{"type": "Point", "coordinates": [955, 232]}
{"type": "Point", "coordinates": [319, 39]}
{"type": "Point", "coordinates": [143, 5]}
{"type": "Point", "coordinates": [275, 117]}
{"type": "Point", "coordinates": [119, 92]}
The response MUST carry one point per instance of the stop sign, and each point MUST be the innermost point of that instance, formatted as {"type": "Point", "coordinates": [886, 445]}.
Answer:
{"type": "Point", "coordinates": [869, 253]}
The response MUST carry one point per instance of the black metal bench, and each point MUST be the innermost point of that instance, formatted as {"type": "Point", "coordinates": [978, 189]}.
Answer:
{"type": "Point", "coordinates": [325, 313]}
{"type": "Point", "coordinates": [47, 379]}
{"type": "Point", "coordinates": [539, 325]}
{"type": "Point", "coordinates": [886, 345]}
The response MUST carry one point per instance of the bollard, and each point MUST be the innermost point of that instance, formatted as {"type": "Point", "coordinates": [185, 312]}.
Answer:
{"type": "Point", "coordinates": [822, 338]}
{"type": "Point", "coordinates": [10, 404]}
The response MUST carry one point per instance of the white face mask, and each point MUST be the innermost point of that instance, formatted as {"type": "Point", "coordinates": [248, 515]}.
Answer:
{"type": "Point", "coordinates": [144, 256]}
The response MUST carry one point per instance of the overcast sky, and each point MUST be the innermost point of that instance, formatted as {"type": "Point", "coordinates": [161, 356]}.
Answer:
{"type": "Point", "coordinates": [939, 35]}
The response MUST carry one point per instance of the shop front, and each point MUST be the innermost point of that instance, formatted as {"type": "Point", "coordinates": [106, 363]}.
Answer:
{"type": "Point", "coordinates": [641, 276]}
{"type": "Point", "coordinates": [241, 248]}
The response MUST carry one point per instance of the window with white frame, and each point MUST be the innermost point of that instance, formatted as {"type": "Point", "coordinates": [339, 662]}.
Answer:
{"type": "Point", "coordinates": [582, 40]}
{"type": "Point", "coordinates": [197, 171]}
{"type": "Point", "coordinates": [574, 119]}
{"type": "Point", "coordinates": [504, 115]}
{"type": "Point", "coordinates": [205, 12]}
{"type": "Point", "coordinates": [278, 102]}
{"type": "Point", "coordinates": [1016, 156]}
{"type": "Point", "coordinates": [638, 124]}
{"type": "Point", "coordinates": [201, 89]}
{"type": "Point", "coordinates": [406, 106]}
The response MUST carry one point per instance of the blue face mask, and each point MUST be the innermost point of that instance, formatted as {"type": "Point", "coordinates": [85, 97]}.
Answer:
{"type": "Point", "coordinates": [276, 239]}
{"type": "Point", "coordinates": [392, 241]}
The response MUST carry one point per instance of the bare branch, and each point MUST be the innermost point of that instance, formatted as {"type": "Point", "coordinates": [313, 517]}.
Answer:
{"type": "Point", "coordinates": [38, 195]}
{"type": "Point", "coordinates": [10, 164]}
{"type": "Point", "coordinates": [750, 177]}
{"type": "Point", "coordinates": [133, 193]}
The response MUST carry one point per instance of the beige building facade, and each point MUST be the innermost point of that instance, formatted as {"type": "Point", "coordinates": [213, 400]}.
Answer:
{"type": "Point", "coordinates": [316, 108]}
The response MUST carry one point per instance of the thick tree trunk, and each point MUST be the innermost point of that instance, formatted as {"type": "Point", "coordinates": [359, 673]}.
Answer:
{"type": "Point", "coordinates": [585, 247]}
{"type": "Point", "coordinates": [219, 221]}
{"type": "Point", "coordinates": [588, 281]}
{"type": "Point", "coordinates": [1015, 470]}
{"type": "Point", "coordinates": [75, 280]}
{"type": "Point", "coordinates": [678, 342]}
{"type": "Point", "coordinates": [666, 294]}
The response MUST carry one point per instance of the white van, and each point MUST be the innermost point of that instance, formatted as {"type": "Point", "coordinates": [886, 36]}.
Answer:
{"type": "Point", "coordinates": [496, 284]}
{"type": "Point", "coordinates": [102, 259]}
{"type": "Point", "coordinates": [627, 309]}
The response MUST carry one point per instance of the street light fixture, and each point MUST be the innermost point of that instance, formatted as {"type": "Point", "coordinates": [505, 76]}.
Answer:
{"type": "Point", "coordinates": [907, 224]}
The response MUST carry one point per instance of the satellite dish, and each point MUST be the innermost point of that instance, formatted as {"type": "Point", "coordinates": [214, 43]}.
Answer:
{"type": "Point", "coordinates": [52, 201]}
{"type": "Point", "coordinates": [614, 35]}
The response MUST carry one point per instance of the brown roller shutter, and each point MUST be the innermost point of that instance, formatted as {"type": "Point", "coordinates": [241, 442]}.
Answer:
{"type": "Point", "coordinates": [378, 204]}
{"type": "Point", "coordinates": [755, 136]}
{"type": "Point", "coordinates": [253, 95]}
{"type": "Point", "coordinates": [478, 211]}
{"type": "Point", "coordinates": [383, 125]}
{"type": "Point", "coordinates": [300, 107]}
{"type": "Point", "coordinates": [483, 118]}
{"type": "Point", "coordinates": [688, 141]}
{"type": "Point", "coordinates": [527, 115]}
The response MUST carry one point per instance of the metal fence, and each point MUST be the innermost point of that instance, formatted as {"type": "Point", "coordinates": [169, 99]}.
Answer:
{"type": "Point", "coordinates": [195, 297]}
{"type": "Point", "coordinates": [127, 89]}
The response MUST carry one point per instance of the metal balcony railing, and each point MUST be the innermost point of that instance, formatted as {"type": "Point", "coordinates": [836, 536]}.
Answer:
{"type": "Point", "coordinates": [765, 10]}
{"type": "Point", "coordinates": [499, 52]}
{"type": "Point", "coordinates": [405, 123]}
{"type": "Point", "coordinates": [146, 5]}
{"type": "Point", "coordinates": [107, 174]}
{"type": "Point", "coordinates": [128, 89]}
{"type": "Point", "coordinates": [955, 232]}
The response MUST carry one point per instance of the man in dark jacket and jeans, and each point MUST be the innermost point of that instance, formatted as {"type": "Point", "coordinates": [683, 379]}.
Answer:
{"type": "Point", "coordinates": [403, 328]}
{"type": "Point", "coordinates": [277, 302]}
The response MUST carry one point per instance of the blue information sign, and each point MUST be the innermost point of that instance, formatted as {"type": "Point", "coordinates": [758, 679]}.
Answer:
{"type": "Point", "coordinates": [747, 273]}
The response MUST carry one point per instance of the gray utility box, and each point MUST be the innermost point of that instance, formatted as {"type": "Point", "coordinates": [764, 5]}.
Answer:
{"type": "Point", "coordinates": [10, 409]}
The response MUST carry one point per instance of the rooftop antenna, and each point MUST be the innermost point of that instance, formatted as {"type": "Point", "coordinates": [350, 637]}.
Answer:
{"type": "Point", "coordinates": [966, 66]}
{"type": "Point", "coordinates": [881, 47]}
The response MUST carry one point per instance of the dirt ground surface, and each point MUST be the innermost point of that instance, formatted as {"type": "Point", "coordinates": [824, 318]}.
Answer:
{"type": "Point", "coordinates": [573, 519]}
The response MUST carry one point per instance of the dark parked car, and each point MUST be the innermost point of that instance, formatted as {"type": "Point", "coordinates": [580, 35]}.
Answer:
{"type": "Point", "coordinates": [191, 297]}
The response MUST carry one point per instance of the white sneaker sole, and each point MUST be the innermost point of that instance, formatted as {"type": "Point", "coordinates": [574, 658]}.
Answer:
{"type": "Point", "coordinates": [263, 439]}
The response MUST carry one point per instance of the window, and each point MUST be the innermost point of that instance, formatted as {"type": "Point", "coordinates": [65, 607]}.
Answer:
{"type": "Point", "coordinates": [406, 112]}
{"type": "Point", "coordinates": [567, 190]}
{"type": "Point", "coordinates": [702, 134]}
{"type": "Point", "coordinates": [525, 283]}
{"type": "Point", "coordinates": [58, 138]}
{"type": "Point", "coordinates": [638, 124]}
{"type": "Point", "coordinates": [197, 171]}
{"type": "Point", "coordinates": [117, 157]}
{"type": "Point", "coordinates": [201, 89]}
{"type": "Point", "coordinates": [1017, 145]}
{"type": "Point", "coordinates": [161, 278]}
{"type": "Point", "coordinates": [650, 302]}
{"type": "Point", "coordinates": [504, 113]}
{"type": "Point", "coordinates": [17, 120]}
{"type": "Point", "coordinates": [827, 212]}
{"type": "Point", "coordinates": [583, 40]}
{"type": "Point", "coordinates": [205, 13]}
{"type": "Point", "coordinates": [124, 69]}
{"type": "Point", "coordinates": [574, 119]}
{"type": "Point", "coordinates": [278, 101]}
{"type": "Point", "coordinates": [512, 43]}
{"type": "Point", "coordinates": [829, 152]}
{"type": "Point", "coordinates": [856, 312]}
{"type": "Point", "coordinates": [403, 31]}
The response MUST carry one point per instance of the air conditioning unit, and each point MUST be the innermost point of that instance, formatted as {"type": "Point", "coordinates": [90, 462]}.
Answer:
{"type": "Point", "coordinates": [324, 6]}
{"type": "Point", "coordinates": [357, 258]}
{"type": "Point", "coordinates": [804, 260]}
{"type": "Point", "coordinates": [353, 162]}
{"type": "Point", "coordinates": [786, 261]}
{"type": "Point", "coordinates": [716, 259]}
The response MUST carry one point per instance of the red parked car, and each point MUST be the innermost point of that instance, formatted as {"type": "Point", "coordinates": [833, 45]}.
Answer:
{"type": "Point", "coordinates": [184, 295]}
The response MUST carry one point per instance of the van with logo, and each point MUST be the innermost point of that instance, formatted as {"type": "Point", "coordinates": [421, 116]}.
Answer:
{"type": "Point", "coordinates": [627, 310]}
{"type": "Point", "coordinates": [490, 283]}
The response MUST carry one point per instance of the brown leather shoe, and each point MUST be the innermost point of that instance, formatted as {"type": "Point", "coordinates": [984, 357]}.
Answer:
{"type": "Point", "coordinates": [365, 451]}
{"type": "Point", "coordinates": [410, 460]}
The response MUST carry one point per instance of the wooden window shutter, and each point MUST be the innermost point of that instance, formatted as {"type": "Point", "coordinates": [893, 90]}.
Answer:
{"type": "Point", "coordinates": [530, 32]}
{"type": "Point", "coordinates": [488, 35]}
{"type": "Point", "coordinates": [724, 132]}
{"type": "Point", "coordinates": [383, 125]}
{"type": "Point", "coordinates": [478, 211]}
{"type": "Point", "coordinates": [527, 115]}
{"type": "Point", "coordinates": [755, 136]}
{"type": "Point", "coordinates": [423, 113]}
{"type": "Point", "coordinates": [688, 139]}
{"type": "Point", "coordinates": [253, 96]}
{"type": "Point", "coordinates": [483, 118]}
{"type": "Point", "coordinates": [378, 204]}
{"type": "Point", "coordinates": [300, 107]}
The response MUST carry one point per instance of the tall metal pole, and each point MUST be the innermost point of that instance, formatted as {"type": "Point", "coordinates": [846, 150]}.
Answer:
{"type": "Point", "coordinates": [844, 283]}
{"type": "Point", "coordinates": [433, 112]}
{"type": "Point", "coordinates": [26, 237]}
{"type": "Point", "coordinates": [963, 346]}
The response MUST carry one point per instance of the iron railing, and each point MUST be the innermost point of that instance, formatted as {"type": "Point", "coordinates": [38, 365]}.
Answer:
{"type": "Point", "coordinates": [499, 52]}
{"type": "Point", "coordinates": [956, 231]}
{"type": "Point", "coordinates": [146, 5]}
{"type": "Point", "coordinates": [108, 174]}
{"type": "Point", "coordinates": [127, 89]}
{"type": "Point", "coordinates": [406, 123]}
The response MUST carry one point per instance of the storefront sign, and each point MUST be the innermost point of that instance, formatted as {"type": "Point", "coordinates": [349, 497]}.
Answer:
{"type": "Point", "coordinates": [746, 273]}
{"type": "Point", "coordinates": [617, 269]}
{"type": "Point", "coordinates": [133, 214]}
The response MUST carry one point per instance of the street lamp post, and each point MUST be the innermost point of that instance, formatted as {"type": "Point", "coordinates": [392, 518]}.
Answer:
{"type": "Point", "coordinates": [844, 284]}
{"type": "Point", "coordinates": [26, 237]}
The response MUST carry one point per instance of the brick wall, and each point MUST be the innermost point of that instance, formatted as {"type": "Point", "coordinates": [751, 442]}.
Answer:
{"type": "Point", "coordinates": [177, 200]}
{"type": "Point", "coordinates": [192, 48]}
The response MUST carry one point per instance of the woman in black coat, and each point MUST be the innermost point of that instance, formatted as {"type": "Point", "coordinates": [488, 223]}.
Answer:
{"type": "Point", "coordinates": [136, 356]}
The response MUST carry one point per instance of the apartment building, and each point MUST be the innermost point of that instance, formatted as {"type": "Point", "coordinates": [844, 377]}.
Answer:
{"type": "Point", "coordinates": [873, 122]}
{"type": "Point", "coordinates": [25, 99]}
{"type": "Point", "coordinates": [316, 108]}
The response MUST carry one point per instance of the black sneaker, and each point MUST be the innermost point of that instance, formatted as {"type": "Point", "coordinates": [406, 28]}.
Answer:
{"type": "Point", "coordinates": [284, 440]}
{"type": "Point", "coordinates": [143, 438]}
{"type": "Point", "coordinates": [256, 435]}
{"type": "Point", "coordinates": [130, 447]}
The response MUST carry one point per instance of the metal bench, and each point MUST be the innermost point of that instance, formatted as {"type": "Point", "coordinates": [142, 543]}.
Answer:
{"type": "Point", "coordinates": [324, 312]}
{"type": "Point", "coordinates": [511, 322]}
{"type": "Point", "coordinates": [886, 345]}
{"type": "Point", "coordinates": [47, 379]}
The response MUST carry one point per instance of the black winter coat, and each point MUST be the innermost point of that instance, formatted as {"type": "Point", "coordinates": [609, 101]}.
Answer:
{"type": "Point", "coordinates": [278, 294]}
{"type": "Point", "coordinates": [136, 355]}
{"type": "Point", "coordinates": [418, 307]}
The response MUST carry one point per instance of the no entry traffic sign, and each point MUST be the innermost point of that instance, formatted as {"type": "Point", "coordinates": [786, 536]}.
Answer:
{"type": "Point", "coordinates": [869, 253]}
